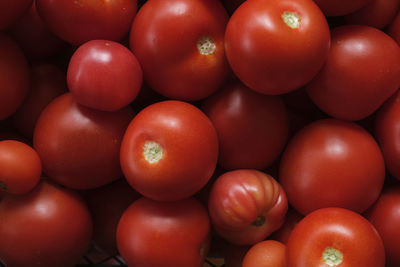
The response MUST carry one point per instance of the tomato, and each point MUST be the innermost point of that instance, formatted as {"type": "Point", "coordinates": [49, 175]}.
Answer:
{"type": "Point", "coordinates": [387, 132]}
{"type": "Point", "coordinates": [332, 163]}
{"type": "Point", "coordinates": [277, 46]}
{"type": "Point", "coordinates": [335, 237]}
{"type": "Point", "coordinates": [152, 233]}
{"type": "Point", "coordinates": [169, 150]}
{"type": "Point", "coordinates": [79, 147]}
{"type": "Point", "coordinates": [341, 7]}
{"type": "Point", "coordinates": [50, 226]}
{"type": "Point", "coordinates": [377, 13]}
{"type": "Point", "coordinates": [394, 28]}
{"type": "Point", "coordinates": [252, 128]}
{"type": "Point", "coordinates": [34, 37]}
{"type": "Point", "coordinates": [246, 206]}
{"type": "Point", "coordinates": [266, 254]}
{"type": "Point", "coordinates": [385, 216]}
{"type": "Point", "coordinates": [20, 167]}
{"type": "Point", "coordinates": [47, 82]}
{"type": "Point", "coordinates": [291, 220]}
{"type": "Point", "coordinates": [359, 75]}
{"type": "Point", "coordinates": [14, 76]}
{"type": "Point", "coordinates": [106, 205]}
{"type": "Point", "coordinates": [82, 20]}
{"type": "Point", "coordinates": [180, 45]}
{"type": "Point", "coordinates": [104, 75]}
{"type": "Point", "coordinates": [10, 11]}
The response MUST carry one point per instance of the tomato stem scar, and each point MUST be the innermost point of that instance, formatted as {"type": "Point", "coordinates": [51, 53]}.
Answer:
{"type": "Point", "coordinates": [259, 221]}
{"type": "Point", "coordinates": [332, 257]}
{"type": "Point", "coordinates": [291, 19]}
{"type": "Point", "coordinates": [206, 45]}
{"type": "Point", "coordinates": [152, 152]}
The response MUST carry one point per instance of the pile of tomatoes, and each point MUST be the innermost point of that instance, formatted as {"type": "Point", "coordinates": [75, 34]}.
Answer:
{"type": "Point", "coordinates": [263, 132]}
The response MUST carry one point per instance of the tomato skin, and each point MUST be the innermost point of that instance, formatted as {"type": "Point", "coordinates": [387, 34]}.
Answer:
{"type": "Point", "coordinates": [152, 233]}
{"type": "Point", "coordinates": [50, 226]}
{"type": "Point", "coordinates": [358, 75]}
{"type": "Point", "coordinates": [246, 206]}
{"type": "Point", "coordinates": [10, 11]}
{"type": "Point", "coordinates": [20, 167]}
{"type": "Point", "coordinates": [336, 153]}
{"type": "Point", "coordinates": [104, 75]}
{"type": "Point", "coordinates": [377, 13]}
{"type": "Point", "coordinates": [394, 28]}
{"type": "Point", "coordinates": [384, 215]}
{"type": "Point", "coordinates": [106, 205]}
{"type": "Point", "coordinates": [387, 131]}
{"type": "Point", "coordinates": [79, 147]}
{"type": "Point", "coordinates": [34, 37]}
{"type": "Point", "coordinates": [341, 7]}
{"type": "Point", "coordinates": [14, 76]}
{"type": "Point", "coordinates": [266, 254]}
{"type": "Point", "coordinates": [283, 233]}
{"type": "Point", "coordinates": [252, 128]}
{"type": "Point", "coordinates": [189, 145]}
{"type": "Point", "coordinates": [336, 228]}
{"type": "Point", "coordinates": [80, 21]}
{"type": "Point", "coordinates": [47, 82]}
{"type": "Point", "coordinates": [164, 38]}
{"type": "Point", "coordinates": [263, 51]}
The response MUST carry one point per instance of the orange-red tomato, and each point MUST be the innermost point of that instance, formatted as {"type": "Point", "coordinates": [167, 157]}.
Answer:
{"type": "Point", "coordinates": [268, 253]}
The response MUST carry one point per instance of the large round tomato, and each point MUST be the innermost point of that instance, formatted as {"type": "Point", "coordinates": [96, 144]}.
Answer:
{"type": "Point", "coordinates": [268, 253]}
{"type": "Point", "coordinates": [169, 150]}
{"type": "Point", "coordinates": [246, 206]}
{"type": "Point", "coordinates": [180, 45]}
{"type": "Point", "coordinates": [252, 128]}
{"type": "Point", "coordinates": [79, 147]}
{"type": "Point", "coordinates": [10, 11]}
{"type": "Point", "coordinates": [168, 234]}
{"type": "Point", "coordinates": [47, 82]}
{"type": "Point", "coordinates": [387, 131]}
{"type": "Point", "coordinates": [20, 167]}
{"type": "Point", "coordinates": [14, 76]}
{"type": "Point", "coordinates": [361, 72]}
{"type": "Point", "coordinates": [332, 163]}
{"type": "Point", "coordinates": [277, 46]}
{"type": "Point", "coordinates": [50, 226]}
{"type": "Point", "coordinates": [340, 7]}
{"type": "Point", "coordinates": [104, 75]}
{"type": "Point", "coordinates": [335, 237]}
{"type": "Point", "coordinates": [385, 216]}
{"type": "Point", "coordinates": [82, 20]}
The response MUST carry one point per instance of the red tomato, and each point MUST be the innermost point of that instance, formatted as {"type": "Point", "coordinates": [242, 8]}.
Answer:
{"type": "Point", "coordinates": [104, 75]}
{"type": "Point", "coordinates": [387, 131]}
{"type": "Point", "coordinates": [169, 150]}
{"type": "Point", "coordinates": [20, 167]}
{"type": "Point", "coordinates": [82, 20]}
{"type": "Point", "coordinates": [14, 76]}
{"type": "Point", "coordinates": [268, 253]}
{"type": "Point", "coordinates": [291, 220]}
{"type": "Point", "coordinates": [246, 206]}
{"type": "Point", "coordinates": [385, 216]}
{"type": "Point", "coordinates": [277, 46]}
{"type": "Point", "coordinates": [79, 147]}
{"type": "Point", "coordinates": [50, 226]}
{"type": "Point", "coordinates": [341, 7]}
{"type": "Point", "coordinates": [377, 13]}
{"type": "Point", "coordinates": [359, 75]}
{"type": "Point", "coordinates": [335, 237]}
{"type": "Point", "coordinates": [252, 128]}
{"type": "Point", "coordinates": [34, 37]}
{"type": "Point", "coordinates": [106, 205]}
{"type": "Point", "coordinates": [180, 45]}
{"type": "Point", "coordinates": [152, 233]}
{"type": "Point", "coordinates": [10, 11]}
{"type": "Point", "coordinates": [394, 28]}
{"type": "Point", "coordinates": [47, 82]}
{"type": "Point", "coordinates": [332, 163]}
